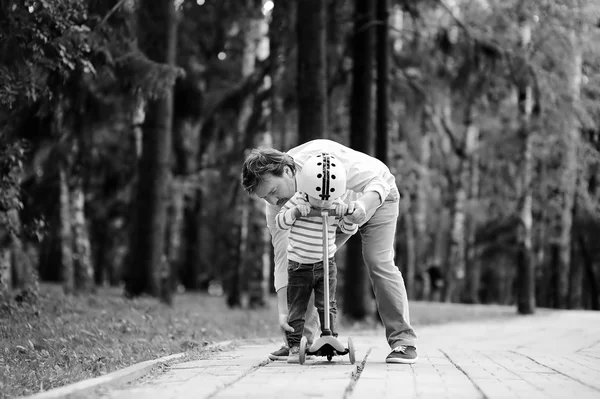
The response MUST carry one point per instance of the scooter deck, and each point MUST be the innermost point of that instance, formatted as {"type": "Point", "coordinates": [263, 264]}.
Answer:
{"type": "Point", "coordinates": [327, 346]}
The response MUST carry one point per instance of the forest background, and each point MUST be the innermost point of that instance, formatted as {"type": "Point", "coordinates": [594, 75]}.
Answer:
{"type": "Point", "coordinates": [124, 124]}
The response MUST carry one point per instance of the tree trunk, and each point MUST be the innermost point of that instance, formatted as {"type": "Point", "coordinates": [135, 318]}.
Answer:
{"type": "Point", "coordinates": [5, 270]}
{"type": "Point", "coordinates": [49, 255]}
{"type": "Point", "coordinates": [576, 280]}
{"type": "Point", "coordinates": [455, 271]}
{"type": "Point", "coordinates": [184, 230]}
{"type": "Point", "coordinates": [65, 233]}
{"type": "Point", "coordinates": [281, 23]}
{"type": "Point", "coordinates": [185, 207]}
{"type": "Point", "coordinates": [382, 96]}
{"type": "Point", "coordinates": [137, 120]}
{"type": "Point", "coordinates": [82, 257]}
{"type": "Point", "coordinates": [355, 284]}
{"type": "Point", "coordinates": [420, 207]}
{"type": "Point", "coordinates": [569, 180]}
{"type": "Point", "coordinates": [338, 75]}
{"type": "Point", "coordinates": [100, 237]}
{"type": "Point", "coordinates": [382, 56]}
{"type": "Point", "coordinates": [9, 228]}
{"type": "Point", "coordinates": [157, 36]}
{"type": "Point", "coordinates": [186, 142]}
{"type": "Point", "coordinates": [525, 255]}
{"type": "Point", "coordinates": [24, 274]}
{"type": "Point", "coordinates": [248, 277]}
{"type": "Point", "coordinates": [410, 247]}
{"type": "Point", "coordinates": [236, 286]}
{"type": "Point", "coordinates": [175, 254]}
{"type": "Point", "coordinates": [472, 260]}
{"type": "Point", "coordinates": [192, 225]}
{"type": "Point", "coordinates": [312, 70]}
{"type": "Point", "coordinates": [590, 275]}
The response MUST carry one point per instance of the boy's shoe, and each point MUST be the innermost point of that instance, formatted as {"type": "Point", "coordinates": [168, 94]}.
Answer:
{"type": "Point", "coordinates": [403, 354]}
{"type": "Point", "coordinates": [294, 355]}
{"type": "Point", "coordinates": [280, 354]}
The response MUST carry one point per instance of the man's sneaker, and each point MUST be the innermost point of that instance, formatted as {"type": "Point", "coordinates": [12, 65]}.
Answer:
{"type": "Point", "coordinates": [294, 356]}
{"type": "Point", "coordinates": [280, 354]}
{"type": "Point", "coordinates": [403, 354]}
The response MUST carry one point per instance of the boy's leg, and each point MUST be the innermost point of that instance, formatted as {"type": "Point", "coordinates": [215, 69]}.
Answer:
{"type": "Point", "coordinates": [378, 236]}
{"type": "Point", "coordinates": [298, 294]}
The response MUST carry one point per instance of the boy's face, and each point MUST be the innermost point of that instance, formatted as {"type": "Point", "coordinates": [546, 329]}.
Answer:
{"type": "Point", "coordinates": [319, 204]}
{"type": "Point", "coordinates": [277, 190]}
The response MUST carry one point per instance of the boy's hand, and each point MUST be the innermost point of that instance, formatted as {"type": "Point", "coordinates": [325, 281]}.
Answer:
{"type": "Point", "coordinates": [303, 209]}
{"type": "Point", "coordinates": [340, 209]}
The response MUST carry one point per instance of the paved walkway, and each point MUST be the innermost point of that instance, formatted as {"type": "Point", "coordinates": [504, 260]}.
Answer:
{"type": "Point", "coordinates": [543, 356]}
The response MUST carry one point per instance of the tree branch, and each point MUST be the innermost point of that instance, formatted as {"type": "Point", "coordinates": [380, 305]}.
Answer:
{"type": "Point", "coordinates": [443, 125]}
{"type": "Point", "coordinates": [110, 13]}
{"type": "Point", "coordinates": [460, 23]}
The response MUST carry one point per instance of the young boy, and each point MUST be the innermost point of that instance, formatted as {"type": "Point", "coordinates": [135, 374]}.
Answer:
{"type": "Point", "coordinates": [321, 183]}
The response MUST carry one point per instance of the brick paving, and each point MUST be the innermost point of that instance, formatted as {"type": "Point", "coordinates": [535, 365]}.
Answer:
{"type": "Point", "coordinates": [554, 355]}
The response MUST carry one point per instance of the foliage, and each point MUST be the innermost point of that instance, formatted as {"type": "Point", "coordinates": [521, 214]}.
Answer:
{"type": "Point", "coordinates": [42, 40]}
{"type": "Point", "coordinates": [12, 155]}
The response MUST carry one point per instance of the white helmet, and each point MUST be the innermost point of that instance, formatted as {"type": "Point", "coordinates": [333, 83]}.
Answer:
{"type": "Point", "coordinates": [322, 177]}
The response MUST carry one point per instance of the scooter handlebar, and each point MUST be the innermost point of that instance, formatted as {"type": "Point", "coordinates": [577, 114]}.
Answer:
{"type": "Point", "coordinates": [330, 212]}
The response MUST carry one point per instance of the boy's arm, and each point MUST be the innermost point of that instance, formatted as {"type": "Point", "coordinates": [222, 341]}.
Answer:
{"type": "Point", "coordinates": [347, 227]}
{"type": "Point", "coordinates": [288, 214]}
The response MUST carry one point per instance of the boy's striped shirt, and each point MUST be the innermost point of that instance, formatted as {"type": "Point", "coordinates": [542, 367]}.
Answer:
{"type": "Point", "coordinates": [305, 239]}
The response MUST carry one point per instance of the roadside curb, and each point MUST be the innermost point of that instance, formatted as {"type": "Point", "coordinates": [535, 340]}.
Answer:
{"type": "Point", "coordinates": [118, 377]}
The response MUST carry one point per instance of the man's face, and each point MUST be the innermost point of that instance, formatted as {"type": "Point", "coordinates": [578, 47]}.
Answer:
{"type": "Point", "coordinates": [277, 190]}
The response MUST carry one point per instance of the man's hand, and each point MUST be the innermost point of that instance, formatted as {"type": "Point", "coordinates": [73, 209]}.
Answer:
{"type": "Point", "coordinates": [359, 213]}
{"type": "Point", "coordinates": [283, 324]}
{"type": "Point", "coordinates": [303, 209]}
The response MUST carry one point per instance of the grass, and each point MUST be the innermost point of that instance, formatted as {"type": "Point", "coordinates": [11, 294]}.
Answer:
{"type": "Point", "coordinates": [65, 339]}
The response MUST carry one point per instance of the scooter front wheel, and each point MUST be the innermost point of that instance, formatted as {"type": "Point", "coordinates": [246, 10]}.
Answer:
{"type": "Point", "coordinates": [351, 350]}
{"type": "Point", "coordinates": [302, 354]}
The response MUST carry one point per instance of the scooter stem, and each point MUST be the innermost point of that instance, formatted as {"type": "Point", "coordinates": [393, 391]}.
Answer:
{"type": "Point", "coordinates": [324, 216]}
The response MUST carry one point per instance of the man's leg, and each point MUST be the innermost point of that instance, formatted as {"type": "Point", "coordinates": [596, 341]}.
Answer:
{"type": "Point", "coordinates": [378, 236]}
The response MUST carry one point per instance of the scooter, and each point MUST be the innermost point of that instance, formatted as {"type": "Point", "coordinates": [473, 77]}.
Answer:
{"type": "Point", "coordinates": [326, 345]}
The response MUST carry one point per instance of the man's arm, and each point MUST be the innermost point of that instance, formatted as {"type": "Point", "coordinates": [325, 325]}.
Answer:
{"type": "Point", "coordinates": [341, 238]}
{"type": "Point", "coordinates": [282, 307]}
{"type": "Point", "coordinates": [371, 199]}
{"type": "Point", "coordinates": [364, 206]}
{"type": "Point", "coordinates": [279, 239]}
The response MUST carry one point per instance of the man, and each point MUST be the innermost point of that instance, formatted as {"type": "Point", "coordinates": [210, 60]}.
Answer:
{"type": "Point", "coordinates": [271, 175]}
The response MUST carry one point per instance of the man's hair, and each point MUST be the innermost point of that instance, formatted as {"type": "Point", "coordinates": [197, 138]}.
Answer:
{"type": "Point", "coordinates": [262, 161]}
